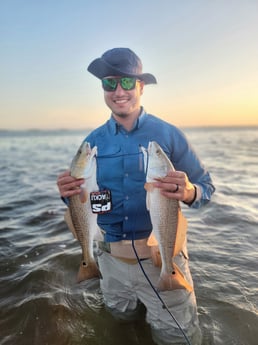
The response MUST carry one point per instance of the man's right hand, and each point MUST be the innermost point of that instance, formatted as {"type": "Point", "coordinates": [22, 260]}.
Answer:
{"type": "Point", "coordinates": [68, 185]}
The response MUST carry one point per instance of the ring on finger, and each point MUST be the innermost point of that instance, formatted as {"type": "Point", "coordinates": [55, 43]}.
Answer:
{"type": "Point", "coordinates": [177, 187]}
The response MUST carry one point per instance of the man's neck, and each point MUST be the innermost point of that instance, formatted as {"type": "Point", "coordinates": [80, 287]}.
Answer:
{"type": "Point", "coordinates": [128, 122]}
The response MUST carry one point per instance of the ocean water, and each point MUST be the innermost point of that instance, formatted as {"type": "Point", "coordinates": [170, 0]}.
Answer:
{"type": "Point", "coordinates": [40, 302]}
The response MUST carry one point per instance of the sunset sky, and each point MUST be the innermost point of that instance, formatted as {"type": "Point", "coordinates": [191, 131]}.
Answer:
{"type": "Point", "coordinates": [204, 54]}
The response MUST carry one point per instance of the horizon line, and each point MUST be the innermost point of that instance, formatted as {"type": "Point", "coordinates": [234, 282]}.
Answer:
{"type": "Point", "coordinates": [37, 129]}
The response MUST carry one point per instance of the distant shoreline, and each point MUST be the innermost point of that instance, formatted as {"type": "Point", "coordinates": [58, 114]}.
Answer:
{"type": "Point", "coordinates": [87, 130]}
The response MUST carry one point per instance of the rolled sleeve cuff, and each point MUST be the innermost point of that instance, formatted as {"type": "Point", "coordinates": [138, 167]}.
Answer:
{"type": "Point", "coordinates": [201, 199]}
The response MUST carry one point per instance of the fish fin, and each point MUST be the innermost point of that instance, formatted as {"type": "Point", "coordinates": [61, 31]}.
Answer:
{"type": "Point", "coordinates": [152, 241]}
{"type": "Point", "coordinates": [88, 271]}
{"type": "Point", "coordinates": [155, 256]}
{"type": "Point", "coordinates": [98, 235]}
{"type": "Point", "coordinates": [83, 196]}
{"type": "Point", "coordinates": [181, 233]}
{"type": "Point", "coordinates": [69, 222]}
{"type": "Point", "coordinates": [148, 186]}
{"type": "Point", "coordinates": [174, 281]}
{"type": "Point", "coordinates": [94, 151]}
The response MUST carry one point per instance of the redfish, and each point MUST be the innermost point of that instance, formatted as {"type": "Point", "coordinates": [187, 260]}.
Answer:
{"type": "Point", "coordinates": [79, 217]}
{"type": "Point", "coordinates": [165, 215]}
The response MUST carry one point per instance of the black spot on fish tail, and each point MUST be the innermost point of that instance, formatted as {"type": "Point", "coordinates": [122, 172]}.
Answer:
{"type": "Point", "coordinates": [88, 270]}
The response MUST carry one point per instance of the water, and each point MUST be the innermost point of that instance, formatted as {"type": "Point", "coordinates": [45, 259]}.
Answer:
{"type": "Point", "coordinates": [40, 303]}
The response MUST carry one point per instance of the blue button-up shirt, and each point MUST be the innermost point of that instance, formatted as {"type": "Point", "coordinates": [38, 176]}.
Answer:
{"type": "Point", "coordinates": [120, 169]}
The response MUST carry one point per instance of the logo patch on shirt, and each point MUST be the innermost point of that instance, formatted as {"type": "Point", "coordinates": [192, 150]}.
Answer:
{"type": "Point", "coordinates": [101, 201]}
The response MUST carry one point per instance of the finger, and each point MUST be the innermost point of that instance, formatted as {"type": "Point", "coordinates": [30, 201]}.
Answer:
{"type": "Point", "coordinates": [65, 173]}
{"type": "Point", "coordinates": [62, 177]}
{"type": "Point", "coordinates": [169, 184]}
{"type": "Point", "coordinates": [176, 173]}
{"type": "Point", "coordinates": [172, 177]}
{"type": "Point", "coordinates": [71, 184]}
{"type": "Point", "coordinates": [171, 195]}
{"type": "Point", "coordinates": [173, 188]}
{"type": "Point", "coordinates": [172, 173]}
{"type": "Point", "coordinates": [66, 178]}
{"type": "Point", "coordinates": [68, 185]}
{"type": "Point", "coordinates": [70, 192]}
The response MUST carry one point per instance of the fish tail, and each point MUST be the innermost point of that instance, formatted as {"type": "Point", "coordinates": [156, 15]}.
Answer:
{"type": "Point", "coordinates": [173, 281]}
{"type": "Point", "coordinates": [88, 271]}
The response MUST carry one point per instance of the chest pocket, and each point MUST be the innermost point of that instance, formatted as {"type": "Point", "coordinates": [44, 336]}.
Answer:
{"type": "Point", "coordinates": [109, 164]}
{"type": "Point", "coordinates": [113, 165]}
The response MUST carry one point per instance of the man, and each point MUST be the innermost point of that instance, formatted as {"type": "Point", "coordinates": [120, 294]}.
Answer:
{"type": "Point", "coordinates": [120, 172]}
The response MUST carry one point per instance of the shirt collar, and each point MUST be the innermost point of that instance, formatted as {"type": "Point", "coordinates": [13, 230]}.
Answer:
{"type": "Point", "coordinates": [115, 126]}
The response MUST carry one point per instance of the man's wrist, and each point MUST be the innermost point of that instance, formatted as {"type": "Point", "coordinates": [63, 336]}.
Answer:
{"type": "Point", "coordinates": [189, 203]}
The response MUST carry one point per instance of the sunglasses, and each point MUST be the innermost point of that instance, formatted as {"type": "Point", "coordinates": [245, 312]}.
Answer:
{"type": "Point", "coordinates": [127, 83]}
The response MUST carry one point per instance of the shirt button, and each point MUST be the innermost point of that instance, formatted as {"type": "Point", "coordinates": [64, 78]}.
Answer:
{"type": "Point", "coordinates": [127, 197]}
{"type": "Point", "coordinates": [126, 174]}
{"type": "Point", "coordinates": [126, 218]}
{"type": "Point", "coordinates": [124, 235]}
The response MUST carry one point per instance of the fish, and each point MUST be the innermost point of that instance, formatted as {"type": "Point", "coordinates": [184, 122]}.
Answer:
{"type": "Point", "coordinates": [169, 226]}
{"type": "Point", "coordinates": [79, 216]}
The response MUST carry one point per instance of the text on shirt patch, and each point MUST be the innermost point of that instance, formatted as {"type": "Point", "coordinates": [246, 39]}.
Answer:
{"type": "Point", "coordinates": [101, 201]}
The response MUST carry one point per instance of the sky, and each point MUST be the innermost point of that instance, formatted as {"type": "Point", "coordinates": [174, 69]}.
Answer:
{"type": "Point", "coordinates": [204, 54]}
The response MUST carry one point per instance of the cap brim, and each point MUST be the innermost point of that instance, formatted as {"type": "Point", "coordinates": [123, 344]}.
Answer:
{"type": "Point", "coordinates": [101, 69]}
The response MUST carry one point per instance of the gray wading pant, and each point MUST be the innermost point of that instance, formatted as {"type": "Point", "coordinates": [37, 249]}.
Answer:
{"type": "Point", "coordinates": [124, 285]}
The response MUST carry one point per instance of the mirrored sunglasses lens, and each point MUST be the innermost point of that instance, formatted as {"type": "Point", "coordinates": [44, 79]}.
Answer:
{"type": "Point", "coordinates": [128, 83]}
{"type": "Point", "coordinates": [109, 84]}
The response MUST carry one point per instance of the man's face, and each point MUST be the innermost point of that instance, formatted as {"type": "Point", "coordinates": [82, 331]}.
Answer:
{"type": "Point", "coordinates": [124, 103]}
